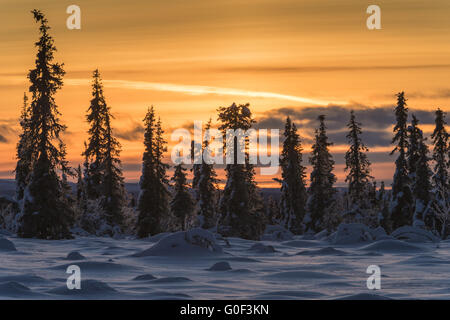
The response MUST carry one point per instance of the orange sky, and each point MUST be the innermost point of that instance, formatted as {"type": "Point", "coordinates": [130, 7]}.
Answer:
{"type": "Point", "coordinates": [190, 57]}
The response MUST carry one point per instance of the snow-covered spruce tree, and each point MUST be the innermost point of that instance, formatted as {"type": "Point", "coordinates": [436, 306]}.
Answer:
{"type": "Point", "coordinates": [95, 148]}
{"type": "Point", "coordinates": [321, 192]}
{"type": "Point", "coordinates": [104, 183]}
{"type": "Point", "coordinates": [114, 195]}
{"type": "Point", "coordinates": [241, 210]}
{"type": "Point", "coordinates": [154, 196]}
{"type": "Point", "coordinates": [358, 166]}
{"type": "Point", "coordinates": [412, 154]}
{"type": "Point", "coordinates": [440, 178]}
{"type": "Point", "coordinates": [293, 190]}
{"type": "Point", "coordinates": [401, 208]}
{"type": "Point", "coordinates": [45, 213]}
{"type": "Point", "coordinates": [419, 173]}
{"type": "Point", "coordinates": [181, 204]}
{"type": "Point", "coordinates": [422, 186]}
{"type": "Point", "coordinates": [207, 191]}
{"type": "Point", "coordinates": [26, 151]}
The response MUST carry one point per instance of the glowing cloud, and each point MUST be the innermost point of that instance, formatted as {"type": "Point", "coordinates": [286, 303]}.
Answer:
{"type": "Point", "coordinates": [199, 90]}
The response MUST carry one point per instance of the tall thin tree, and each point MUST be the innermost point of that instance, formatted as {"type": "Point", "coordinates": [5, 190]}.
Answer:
{"type": "Point", "coordinates": [440, 178]}
{"type": "Point", "coordinates": [95, 147]}
{"type": "Point", "coordinates": [321, 190]}
{"type": "Point", "coordinates": [45, 213]}
{"type": "Point", "coordinates": [401, 203]}
{"type": "Point", "coordinates": [293, 185]}
{"type": "Point", "coordinates": [207, 190]}
{"type": "Point", "coordinates": [240, 216]}
{"type": "Point", "coordinates": [153, 199]}
{"type": "Point", "coordinates": [113, 188]}
{"type": "Point", "coordinates": [358, 166]}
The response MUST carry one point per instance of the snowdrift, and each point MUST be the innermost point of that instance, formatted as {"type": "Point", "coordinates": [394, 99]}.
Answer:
{"type": "Point", "coordinates": [351, 233]}
{"type": "Point", "coordinates": [262, 248]}
{"type": "Point", "coordinates": [393, 246]}
{"type": "Point", "coordinates": [220, 266]}
{"type": "Point", "coordinates": [7, 245]}
{"type": "Point", "coordinates": [414, 234]}
{"type": "Point", "coordinates": [184, 243]}
{"type": "Point", "coordinates": [277, 233]}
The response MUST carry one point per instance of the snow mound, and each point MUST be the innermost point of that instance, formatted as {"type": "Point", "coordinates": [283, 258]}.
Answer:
{"type": "Point", "coordinates": [262, 248]}
{"type": "Point", "coordinates": [328, 251]}
{"type": "Point", "coordinates": [144, 277]}
{"type": "Point", "coordinates": [277, 233]}
{"type": "Point", "coordinates": [380, 234]}
{"type": "Point", "coordinates": [171, 280]}
{"type": "Point", "coordinates": [157, 237]}
{"type": "Point", "coordinates": [75, 255]}
{"type": "Point", "coordinates": [393, 246]}
{"type": "Point", "coordinates": [300, 243]}
{"type": "Point", "coordinates": [88, 287]}
{"type": "Point", "coordinates": [220, 266]}
{"type": "Point", "coordinates": [349, 233]}
{"type": "Point", "coordinates": [322, 235]}
{"type": "Point", "coordinates": [352, 233]}
{"type": "Point", "coordinates": [184, 243]}
{"type": "Point", "coordinates": [414, 234]}
{"type": "Point", "coordinates": [7, 245]}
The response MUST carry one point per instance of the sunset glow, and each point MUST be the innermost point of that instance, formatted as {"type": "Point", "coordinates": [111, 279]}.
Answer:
{"type": "Point", "coordinates": [187, 58]}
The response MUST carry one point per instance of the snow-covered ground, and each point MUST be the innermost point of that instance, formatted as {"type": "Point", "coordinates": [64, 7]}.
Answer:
{"type": "Point", "coordinates": [194, 266]}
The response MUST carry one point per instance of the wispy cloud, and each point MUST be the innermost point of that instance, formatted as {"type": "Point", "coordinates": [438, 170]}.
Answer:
{"type": "Point", "coordinates": [200, 90]}
{"type": "Point", "coordinates": [314, 69]}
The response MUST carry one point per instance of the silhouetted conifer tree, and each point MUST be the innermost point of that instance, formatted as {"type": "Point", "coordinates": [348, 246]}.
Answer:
{"type": "Point", "coordinates": [103, 176]}
{"type": "Point", "coordinates": [96, 146]}
{"type": "Point", "coordinates": [154, 196]}
{"type": "Point", "coordinates": [182, 204]}
{"type": "Point", "coordinates": [45, 213]}
{"type": "Point", "coordinates": [440, 178]}
{"type": "Point", "coordinates": [358, 167]}
{"type": "Point", "coordinates": [321, 191]}
{"type": "Point", "coordinates": [422, 184]}
{"type": "Point", "coordinates": [293, 188]}
{"type": "Point", "coordinates": [240, 207]}
{"type": "Point", "coordinates": [113, 198]}
{"type": "Point", "coordinates": [401, 209]}
{"type": "Point", "coordinates": [207, 190]}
